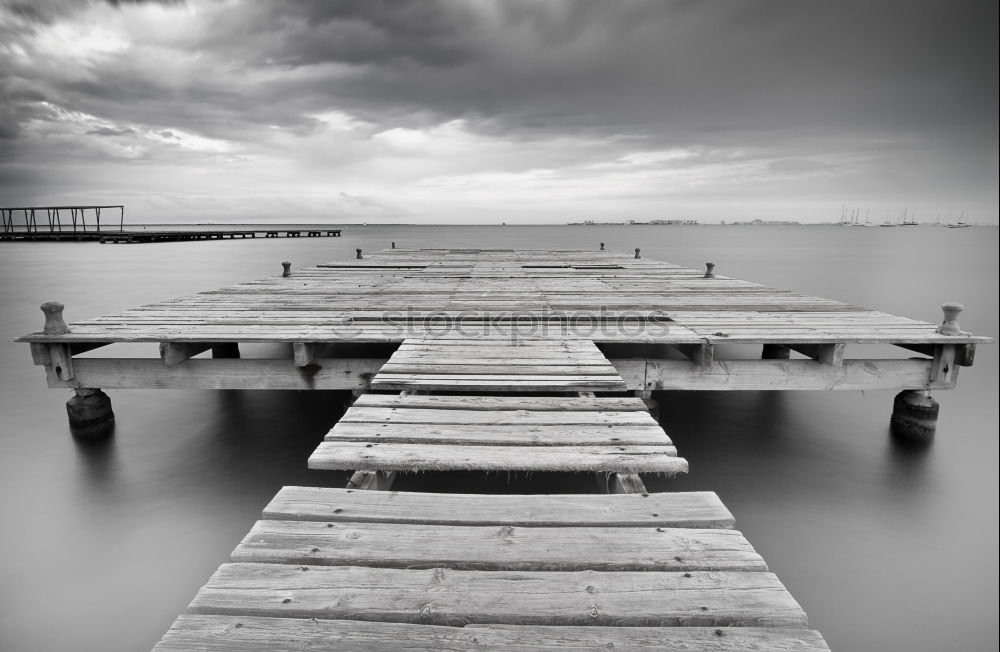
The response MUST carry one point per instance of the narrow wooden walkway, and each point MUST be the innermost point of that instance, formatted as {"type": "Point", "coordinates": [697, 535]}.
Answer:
{"type": "Point", "coordinates": [515, 363]}
{"type": "Point", "coordinates": [333, 569]}
{"type": "Point", "coordinates": [498, 433]}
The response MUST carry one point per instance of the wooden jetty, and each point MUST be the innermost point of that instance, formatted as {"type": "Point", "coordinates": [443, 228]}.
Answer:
{"type": "Point", "coordinates": [489, 360]}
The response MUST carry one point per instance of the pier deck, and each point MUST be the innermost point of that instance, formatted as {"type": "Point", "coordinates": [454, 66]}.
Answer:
{"type": "Point", "coordinates": [498, 360]}
{"type": "Point", "coordinates": [616, 301]}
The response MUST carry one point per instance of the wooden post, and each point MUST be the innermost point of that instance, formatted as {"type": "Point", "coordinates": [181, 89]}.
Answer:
{"type": "Point", "coordinates": [709, 270]}
{"type": "Point", "coordinates": [637, 253]}
{"type": "Point", "coordinates": [359, 253]}
{"type": "Point", "coordinates": [286, 269]}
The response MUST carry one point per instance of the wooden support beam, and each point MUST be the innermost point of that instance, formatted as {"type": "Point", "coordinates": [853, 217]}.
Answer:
{"type": "Point", "coordinates": [944, 368]}
{"type": "Point", "coordinates": [700, 354]}
{"type": "Point", "coordinates": [779, 374]}
{"type": "Point", "coordinates": [831, 354]}
{"type": "Point", "coordinates": [62, 361]}
{"type": "Point", "coordinates": [174, 353]}
{"type": "Point", "coordinates": [371, 480]}
{"type": "Point", "coordinates": [145, 373]}
{"type": "Point", "coordinates": [305, 353]}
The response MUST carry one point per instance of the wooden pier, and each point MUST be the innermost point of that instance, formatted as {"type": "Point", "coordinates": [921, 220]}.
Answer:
{"type": "Point", "coordinates": [500, 360]}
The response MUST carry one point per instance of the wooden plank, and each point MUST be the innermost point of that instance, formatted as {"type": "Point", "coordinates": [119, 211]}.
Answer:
{"type": "Point", "coordinates": [495, 404]}
{"type": "Point", "coordinates": [512, 434]}
{"type": "Point", "coordinates": [350, 456]}
{"type": "Point", "coordinates": [700, 354]}
{"type": "Point", "coordinates": [503, 548]}
{"type": "Point", "coordinates": [455, 597]}
{"type": "Point", "coordinates": [699, 509]}
{"type": "Point", "coordinates": [447, 368]}
{"type": "Point", "coordinates": [361, 414]}
{"type": "Point", "coordinates": [253, 634]}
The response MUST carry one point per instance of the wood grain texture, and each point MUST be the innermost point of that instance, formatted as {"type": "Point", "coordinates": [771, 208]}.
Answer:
{"type": "Point", "coordinates": [504, 547]}
{"type": "Point", "coordinates": [454, 597]}
{"type": "Point", "coordinates": [196, 633]}
{"type": "Point", "coordinates": [699, 509]}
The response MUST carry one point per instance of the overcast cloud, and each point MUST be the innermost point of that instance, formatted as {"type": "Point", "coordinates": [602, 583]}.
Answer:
{"type": "Point", "coordinates": [524, 111]}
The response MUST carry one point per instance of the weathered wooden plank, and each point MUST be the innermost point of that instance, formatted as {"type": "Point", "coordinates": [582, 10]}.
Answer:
{"type": "Point", "coordinates": [445, 368]}
{"type": "Point", "coordinates": [494, 404]}
{"type": "Point", "coordinates": [349, 456]}
{"type": "Point", "coordinates": [361, 414]}
{"type": "Point", "coordinates": [831, 354]}
{"type": "Point", "coordinates": [784, 374]}
{"type": "Point", "coordinates": [699, 509]}
{"type": "Point", "coordinates": [512, 434]}
{"type": "Point", "coordinates": [253, 633]}
{"type": "Point", "coordinates": [506, 547]}
{"type": "Point", "coordinates": [455, 597]}
{"type": "Point", "coordinates": [220, 373]}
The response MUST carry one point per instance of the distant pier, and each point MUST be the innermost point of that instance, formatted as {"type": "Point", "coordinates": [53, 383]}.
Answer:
{"type": "Point", "coordinates": [83, 223]}
{"type": "Point", "coordinates": [483, 360]}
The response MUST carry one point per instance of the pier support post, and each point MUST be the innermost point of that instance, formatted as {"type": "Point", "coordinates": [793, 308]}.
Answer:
{"type": "Point", "coordinates": [775, 352]}
{"type": "Point", "coordinates": [914, 416]}
{"type": "Point", "coordinates": [90, 414]}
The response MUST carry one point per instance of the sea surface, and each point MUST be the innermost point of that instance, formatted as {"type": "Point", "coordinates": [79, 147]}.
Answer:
{"type": "Point", "coordinates": [886, 547]}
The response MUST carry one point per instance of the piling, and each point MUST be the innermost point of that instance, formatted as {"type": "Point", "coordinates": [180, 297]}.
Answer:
{"type": "Point", "coordinates": [90, 414]}
{"type": "Point", "coordinates": [914, 416]}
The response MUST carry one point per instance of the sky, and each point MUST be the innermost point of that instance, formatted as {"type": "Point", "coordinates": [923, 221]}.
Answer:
{"type": "Point", "coordinates": [477, 111]}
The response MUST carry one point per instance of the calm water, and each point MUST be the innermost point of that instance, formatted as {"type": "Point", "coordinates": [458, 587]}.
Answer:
{"type": "Point", "coordinates": [886, 548]}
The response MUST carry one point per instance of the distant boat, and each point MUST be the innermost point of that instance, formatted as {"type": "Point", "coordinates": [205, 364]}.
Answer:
{"type": "Point", "coordinates": [908, 222]}
{"type": "Point", "coordinates": [960, 224]}
{"type": "Point", "coordinates": [888, 224]}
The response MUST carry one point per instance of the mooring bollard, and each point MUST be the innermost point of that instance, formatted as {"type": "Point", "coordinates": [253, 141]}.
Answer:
{"type": "Point", "coordinates": [950, 324]}
{"type": "Point", "coordinates": [287, 269]}
{"type": "Point", "coordinates": [709, 270]}
{"type": "Point", "coordinates": [394, 245]}
{"type": "Point", "coordinates": [602, 246]}
{"type": "Point", "coordinates": [359, 253]}
{"type": "Point", "coordinates": [637, 253]}
{"type": "Point", "coordinates": [54, 324]}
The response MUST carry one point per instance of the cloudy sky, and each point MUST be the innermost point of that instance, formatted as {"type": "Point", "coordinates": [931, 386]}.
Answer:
{"type": "Point", "coordinates": [515, 110]}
